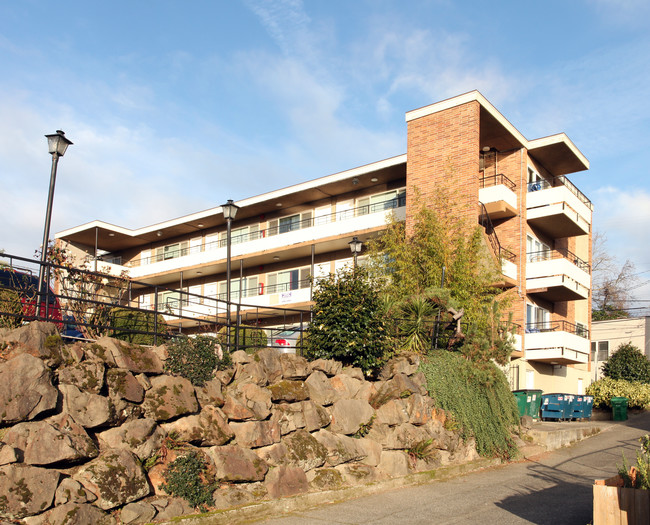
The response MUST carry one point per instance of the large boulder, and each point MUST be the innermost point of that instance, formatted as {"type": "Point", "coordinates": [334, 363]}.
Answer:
{"type": "Point", "coordinates": [340, 449]}
{"type": "Point", "coordinates": [346, 386]}
{"type": "Point", "coordinates": [288, 390]}
{"type": "Point", "coordinates": [211, 393]}
{"type": "Point", "coordinates": [286, 481]}
{"type": "Point", "coordinates": [403, 364]}
{"type": "Point", "coordinates": [78, 514]}
{"type": "Point", "coordinates": [349, 415]}
{"type": "Point", "coordinates": [247, 401]}
{"type": "Point", "coordinates": [329, 367]}
{"type": "Point", "coordinates": [89, 410]}
{"type": "Point", "coordinates": [122, 384]}
{"type": "Point", "coordinates": [320, 389]}
{"type": "Point", "coordinates": [306, 414]}
{"type": "Point", "coordinates": [208, 428]}
{"type": "Point", "coordinates": [395, 412]}
{"type": "Point", "coordinates": [50, 441]}
{"type": "Point", "coordinates": [294, 366]}
{"type": "Point", "coordinates": [26, 490]}
{"type": "Point", "coordinates": [137, 359]}
{"type": "Point", "coordinates": [116, 477]}
{"type": "Point", "coordinates": [304, 450]}
{"type": "Point", "coordinates": [87, 376]}
{"type": "Point", "coordinates": [270, 360]}
{"type": "Point", "coordinates": [143, 437]}
{"type": "Point", "coordinates": [26, 389]}
{"type": "Point", "coordinates": [169, 398]}
{"type": "Point", "coordinates": [236, 464]}
{"type": "Point", "coordinates": [38, 339]}
{"type": "Point", "coordinates": [252, 434]}
{"type": "Point", "coordinates": [71, 491]}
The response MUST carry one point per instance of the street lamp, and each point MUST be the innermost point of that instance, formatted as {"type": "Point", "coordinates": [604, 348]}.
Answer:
{"type": "Point", "coordinates": [57, 144]}
{"type": "Point", "coordinates": [229, 212]}
{"type": "Point", "coordinates": [355, 248]}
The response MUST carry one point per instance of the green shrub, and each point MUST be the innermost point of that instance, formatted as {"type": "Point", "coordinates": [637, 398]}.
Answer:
{"type": "Point", "coordinates": [251, 338]}
{"type": "Point", "coordinates": [478, 396]}
{"type": "Point", "coordinates": [641, 480]}
{"type": "Point", "coordinates": [188, 477]}
{"type": "Point", "coordinates": [196, 358]}
{"type": "Point", "coordinates": [629, 363]}
{"type": "Point", "coordinates": [603, 390]}
{"type": "Point", "coordinates": [11, 308]}
{"type": "Point", "coordinates": [126, 325]}
{"type": "Point", "coordinates": [347, 324]}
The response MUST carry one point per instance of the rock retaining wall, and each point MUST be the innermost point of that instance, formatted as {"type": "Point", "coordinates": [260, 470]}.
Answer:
{"type": "Point", "coordinates": [87, 430]}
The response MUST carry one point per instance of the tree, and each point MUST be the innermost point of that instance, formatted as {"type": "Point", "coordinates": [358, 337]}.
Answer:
{"type": "Point", "coordinates": [411, 266]}
{"type": "Point", "coordinates": [612, 283]}
{"type": "Point", "coordinates": [629, 363]}
{"type": "Point", "coordinates": [347, 324]}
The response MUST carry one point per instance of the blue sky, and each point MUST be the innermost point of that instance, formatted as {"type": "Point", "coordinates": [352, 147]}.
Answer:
{"type": "Point", "coordinates": [175, 107]}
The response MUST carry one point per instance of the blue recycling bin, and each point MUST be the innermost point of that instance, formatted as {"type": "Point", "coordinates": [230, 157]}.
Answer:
{"type": "Point", "coordinates": [569, 402]}
{"type": "Point", "coordinates": [588, 405]}
{"type": "Point", "coordinates": [578, 407]}
{"type": "Point", "coordinates": [553, 407]}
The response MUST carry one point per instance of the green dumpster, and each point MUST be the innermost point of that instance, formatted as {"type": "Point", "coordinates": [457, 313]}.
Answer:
{"type": "Point", "coordinates": [619, 408]}
{"type": "Point", "coordinates": [528, 402]}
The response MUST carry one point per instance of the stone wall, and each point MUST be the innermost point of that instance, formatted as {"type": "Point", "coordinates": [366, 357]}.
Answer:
{"type": "Point", "coordinates": [87, 430]}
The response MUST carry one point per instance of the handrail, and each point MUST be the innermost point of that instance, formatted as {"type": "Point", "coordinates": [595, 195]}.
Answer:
{"type": "Point", "coordinates": [496, 180]}
{"type": "Point", "coordinates": [562, 253]}
{"type": "Point", "coordinates": [388, 204]}
{"type": "Point", "coordinates": [560, 180]}
{"type": "Point", "coordinates": [486, 222]}
{"type": "Point", "coordinates": [557, 326]}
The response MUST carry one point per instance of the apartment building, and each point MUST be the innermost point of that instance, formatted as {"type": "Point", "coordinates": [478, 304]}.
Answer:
{"type": "Point", "coordinates": [536, 221]}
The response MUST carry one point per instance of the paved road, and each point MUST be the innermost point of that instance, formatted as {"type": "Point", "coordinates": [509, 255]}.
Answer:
{"type": "Point", "coordinates": [554, 489]}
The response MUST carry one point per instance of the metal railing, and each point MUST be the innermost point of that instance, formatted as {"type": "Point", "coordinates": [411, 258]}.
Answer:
{"type": "Point", "coordinates": [562, 253]}
{"type": "Point", "coordinates": [497, 180]}
{"type": "Point", "coordinates": [486, 223]}
{"type": "Point", "coordinates": [557, 326]}
{"type": "Point", "coordinates": [389, 204]}
{"type": "Point", "coordinates": [560, 180]}
{"type": "Point", "coordinates": [87, 305]}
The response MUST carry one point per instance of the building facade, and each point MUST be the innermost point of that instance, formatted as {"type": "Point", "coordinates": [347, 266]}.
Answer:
{"type": "Point", "coordinates": [536, 221]}
{"type": "Point", "coordinates": [608, 336]}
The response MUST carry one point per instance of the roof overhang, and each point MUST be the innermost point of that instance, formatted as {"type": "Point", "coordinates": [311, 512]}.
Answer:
{"type": "Point", "coordinates": [110, 238]}
{"type": "Point", "coordinates": [556, 152]}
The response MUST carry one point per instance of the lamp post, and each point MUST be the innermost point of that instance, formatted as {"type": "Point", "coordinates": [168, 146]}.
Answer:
{"type": "Point", "coordinates": [229, 212]}
{"type": "Point", "coordinates": [57, 144]}
{"type": "Point", "coordinates": [355, 248]}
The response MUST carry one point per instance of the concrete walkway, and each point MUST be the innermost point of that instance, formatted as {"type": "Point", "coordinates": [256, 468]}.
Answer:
{"type": "Point", "coordinates": [543, 488]}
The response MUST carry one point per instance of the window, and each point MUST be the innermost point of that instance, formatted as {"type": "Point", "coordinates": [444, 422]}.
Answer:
{"type": "Point", "coordinates": [538, 319]}
{"type": "Point", "coordinates": [169, 299]}
{"type": "Point", "coordinates": [290, 223]}
{"type": "Point", "coordinates": [239, 235]}
{"type": "Point", "coordinates": [288, 280]}
{"type": "Point", "coordinates": [534, 180]}
{"type": "Point", "coordinates": [599, 350]}
{"type": "Point", "coordinates": [249, 288]}
{"type": "Point", "coordinates": [171, 251]}
{"type": "Point", "coordinates": [536, 250]}
{"type": "Point", "coordinates": [382, 201]}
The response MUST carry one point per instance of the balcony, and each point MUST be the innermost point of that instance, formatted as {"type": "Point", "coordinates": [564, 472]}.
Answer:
{"type": "Point", "coordinates": [558, 208]}
{"type": "Point", "coordinates": [557, 275]}
{"type": "Point", "coordinates": [497, 193]}
{"type": "Point", "coordinates": [346, 222]}
{"type": "Point", "coordinates": [560, 343]}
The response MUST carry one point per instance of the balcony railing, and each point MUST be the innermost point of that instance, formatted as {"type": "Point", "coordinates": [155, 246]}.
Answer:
{"type": "Point", "coordinates": [560, 180]}
{"type": "Point", "coordinates": [558, 326]}
{"type": "Point", "coordinates": [497, 180]}
{"type": "Point", "coordinates": [547, 255]}
{"type": "Point", "coordinates": [486, 222]}
{"type": "Point", "coordinates": [389, 204]}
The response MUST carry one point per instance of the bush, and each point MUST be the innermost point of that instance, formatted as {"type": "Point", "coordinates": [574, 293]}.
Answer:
{"type": "Point", "coordinates": [629, 363]}
{"type": "Point", "coordinates": [187, 477]}
{"type": "Point", "coordinates": [130, 325]}
{"type": "Point", "coordinates": [196, 358]}
{"type": "Point", "coordinates": [603, 390]}
{"type": "Point", "coordinates": [346, 321]}
{"type": "Point", "coordinates": [11, 308]}
{"type": "Point", "coordinates": [479, 398]}
{"type": "Point", "coordinates": [251, 338]}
